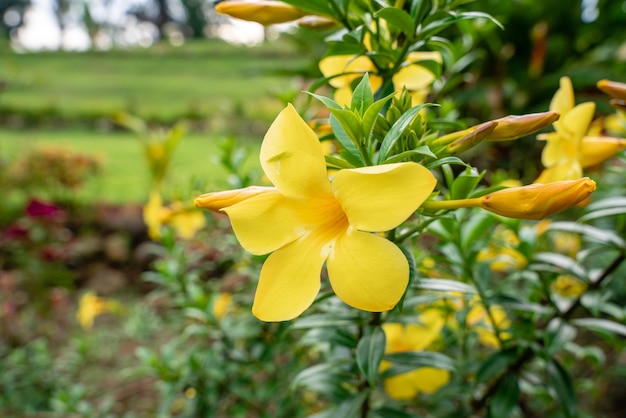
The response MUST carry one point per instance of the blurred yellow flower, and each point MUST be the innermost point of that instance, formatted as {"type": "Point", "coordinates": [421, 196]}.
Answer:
{"type": "Point", "coordinates": [305, 221]}
{"type": "Point", "coordinates": [480, 321]}
{"type": "Point", "coordinates": [185, 220]}
{"type": "Point", "coordinates": [569, 149]}
{"type": "Point", "coordinates": [568, 286]}
{"type": "Point", "coordinates": [414, 337]}
{"type": "Point", "coordinates": [346, 68]}
{"type": "Point", "coordinates": [90, 306]}
{"type": "Point", "coordinates": [221, 304]}
{"type": "Point", "coordinates": [501, 254]}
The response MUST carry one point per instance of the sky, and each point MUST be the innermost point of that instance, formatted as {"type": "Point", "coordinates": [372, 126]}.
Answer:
{"type": "Point", "coordinates": [40, 30]}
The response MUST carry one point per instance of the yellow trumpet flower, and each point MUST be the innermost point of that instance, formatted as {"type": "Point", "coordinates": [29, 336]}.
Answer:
{"type": "Point", "coordinates": [306, 221]}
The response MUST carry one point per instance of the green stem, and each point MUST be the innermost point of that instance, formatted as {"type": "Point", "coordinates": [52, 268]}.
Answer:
{"type": "Point", "coordinates": [451, 204]}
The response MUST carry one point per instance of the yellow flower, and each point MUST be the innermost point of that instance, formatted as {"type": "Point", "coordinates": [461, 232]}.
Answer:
{"type": "Point", "coordinates": [90, 306]}
{"type": "Point", "coordinates": [597, 149]}
{"type": "Point", "coordinates": [537, 201]}
{"type": "Point", "coordinates": [501, 253]}
{"type": "Point", "coordinates": [221, 304]}
{"type": "Point", "coordinates": [306, 221]}
{"type": "Point", "coordinates": [186, 221]}
{"type": "Point", "coordinates": [561, 155]}
{"type": "Point", "coordinates": [480, 321]}
{"type": "Point", "coordinates": [568, 286]}
{"type": "Point", "coordinates": [414, 337]}
{"type": "Point", "coordinates": [346, 68]}
{"type": "Point", "coordinates": [263, 12]}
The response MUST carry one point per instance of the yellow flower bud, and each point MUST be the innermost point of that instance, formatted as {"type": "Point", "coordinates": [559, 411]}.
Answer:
{"type": "Point", "coordinates": [263, 12]}
{"type": "Point", "coordinates": [568, 286]}
{"type": "Point", "coordinates": [457, 142]}
{"type": "Point", "coordinates": [596, 149]}
{"type": "Point", "coordinates": [220, 200]}
{"type": "Point", "coordinates": [613, 88]}
{"type": "Point", "coordinates": [538, 201]}
{"type": "Point", "coordinates": [513, 126]}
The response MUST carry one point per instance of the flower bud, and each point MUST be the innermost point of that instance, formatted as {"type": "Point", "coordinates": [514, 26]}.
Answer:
{"type": "Point", "coordinates": [538, 201]}
{"type": "Point", "coordinates": [513, 126]}
{"type": "Point", "coordinates": [263, 12]}
{"type": "Point", "coordinates": [613, 88]}
{"type": "Point", "coordinates": [457, 142]}
{"type": "Point", "coordinates": [596, 149]}
{"type": "Point", "coordinates": [221, 200]}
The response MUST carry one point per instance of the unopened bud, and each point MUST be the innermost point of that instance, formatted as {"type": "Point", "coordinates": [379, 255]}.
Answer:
{"type": "Point", "coordinates": [538, 201]}
{"type": "Point", "coordinates": [513, 126]}
{"type": "Point", "coordinates": [221, 200]}
{"type": "Point", "coordinates": [263, 11]}
{"type": "Point", "coordinates": [457, 142]}
{"type": "Point", "coordinates": [613, 88]}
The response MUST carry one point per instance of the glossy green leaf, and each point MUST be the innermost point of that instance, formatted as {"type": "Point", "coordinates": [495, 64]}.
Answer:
{"type": "Point", "coordinates": [506, 398]}
{"type": "Point", "coordinates": [398, 18]}
{"type": "Point", "coordinates": [596, 234]}
{"type": "Point", "coordinates": [602, 325]}
{"type": "Point", "coordinates": [563, 264]}
{"type": "Point", "coordinates": [410, 360]}
{"type": "Point", "coordinates": [362, 97]}
{"type": "Point", "coordinates": [444, 285]}
{"type": "Point", "coordinates": [369, 353]}
{"type": "Point", "coordinates": [496, 364]}
{"type": "Point", "coordinates": [397, 129]}
{"type": "Point", "coordinates": [417, 152]}
{"type": "Point", "coordinates": [562, 384]}
{"type": "Point", "coordinates": [350, 151]}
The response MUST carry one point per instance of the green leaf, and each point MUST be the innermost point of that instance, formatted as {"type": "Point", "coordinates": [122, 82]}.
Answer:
{"type": "Point", "coordinates": [496, 364]}
{"type": "Point", "coordinates": [313, 6]}
{"type": "Point", "coordinates": [350, 123]}
{"type": "Point", "coordinates": [465, 183]}
{"type": "Point", "coordinates": [397, 130]}
{"type": "Point", "coordinates": [419, 9]}
{"type": "Point", "coordinates": [325, 320]}
{"type": "Point", "coordinates": [411, 360]}
{"type": "Point", "coordinates": [557, 334]}
{"type": "Point", "coordinates": [505, 399]}
{"type": "Point", "coordinates": [563, 264]}
{"type": "Point", "coordinates": [603, 325]}
{"type": "Point", "coordinates": [590, 232]}
{"type": "Point", "coordinates": [371, 114]}
{"type": "Point", "coordinates": [561, 381]}
{"type": "Point", "coordinates": [350, 151]}
{"type": "Point", "coordinates": [419, 151]}
{"type": "Point", "coordinates": [474, 227]}
{"type": "Point", "coordinates": [328, 102]}
{"type": "Point", "coordinates": [369, 353]}
{"type": "Point", "coordinates": [398, 18]}
{"type": "Point", "coordinates": [446, 160]}
{"type": "Point", "coordinates": [349, 408]}
{"type": "Point", "coordinates": [335, 162]}
{"type": "Point", "coordinates": [444, 285]}
{"type": "Point", "coordinates": [391, 412]}
{"type": "Point", "coordinates": [362, 96]}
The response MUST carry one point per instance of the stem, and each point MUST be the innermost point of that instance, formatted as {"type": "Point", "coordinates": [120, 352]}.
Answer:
{"type": "Point", "coordinates": [528, 354]}
{"type": "Point", "coordinates": [451, 204]}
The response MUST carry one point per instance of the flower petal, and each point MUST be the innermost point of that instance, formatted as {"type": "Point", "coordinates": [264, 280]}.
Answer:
{"type": "Point", "coordinates": [335, 65]}
{"type": "Point", "coordinates": [379, 198]}
{"type": "Point", "coordinates": [367, 272]}
{"type": "Point", "coordinates": [596, 149]}
{"type": "Point", "coordinates": [413, 77]}
{"type": "Point", "coordinates": [289, 281]}
{"type": "Point", "coordinates": [577, 120]}
{"type": "Point", "coordinates": [429, 379]}
{"type": "Point", "coordinates": [292, 157]}
{"type": "Point", "coordinates": [266, 222]}
{"type": "Point", "coordinates": [563, 99]}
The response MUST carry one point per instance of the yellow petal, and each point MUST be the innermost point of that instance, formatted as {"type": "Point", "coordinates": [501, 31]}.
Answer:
{"type": "Point", "coordinates": [367, 272]}
{"type": "Point", "coordinates": [417, 56]}
{"type": "Point", "coordinates": [353, 66]}
{"type": "Point", "coordinates": [187, 223]}
{"type": "Point", "coordinates": [292, 157]}
{"type": "Point", "coordinates": [577, 121]}
{"type": "Point", "coordinates": [289, 281]}
{"type": "Point", "coordinates": [563, 100]}
{"type": "Point", "coordinates": [413, 77]}
{"type": "Point", "coordinates": [343, 96]}
{"type": "Point", "coordinates": [400, 386]}
{"type": "Point", "coordinates": [567, 170]}
{"type": "Point", "coordinates": [379, 198]}
{"type": "Point", "coordinates": [152, 214]}
{"type": "Point", "coordinates": [266, 222]}
{"type": "Point", "coordinates": [429, 379]}
{"type": "Point", "coordinates": [263, 12]}
{"type": "Point", "coordinates": [595, 150]}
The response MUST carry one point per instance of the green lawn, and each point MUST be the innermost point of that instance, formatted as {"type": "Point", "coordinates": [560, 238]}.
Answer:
{"type": "Point", "coordinates": [201, 78]}
{"type": "Point", "coordinates": [125, 175]}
